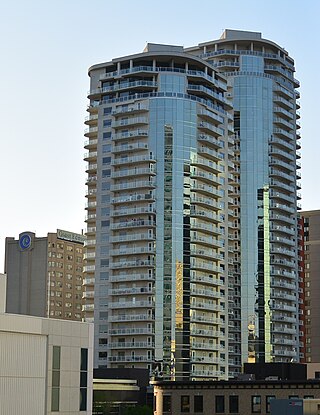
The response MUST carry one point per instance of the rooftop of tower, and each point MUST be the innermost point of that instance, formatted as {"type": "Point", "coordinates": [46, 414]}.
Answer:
{"type": "Point", "coordinates": [230, 35]}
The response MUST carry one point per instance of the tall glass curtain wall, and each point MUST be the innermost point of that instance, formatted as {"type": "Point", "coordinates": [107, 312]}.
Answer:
{"type": "Point", "coordinates": [172, 142]}
{"type": "Point", "coordinates": [253, 99]}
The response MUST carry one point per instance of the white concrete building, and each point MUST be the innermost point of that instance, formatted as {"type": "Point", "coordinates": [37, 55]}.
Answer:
{"type": "Point", "coordinates": [45, 365]}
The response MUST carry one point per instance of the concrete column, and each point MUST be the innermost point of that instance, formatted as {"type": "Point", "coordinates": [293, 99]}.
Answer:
{"type": "Point", "coordinates": [3, 292]}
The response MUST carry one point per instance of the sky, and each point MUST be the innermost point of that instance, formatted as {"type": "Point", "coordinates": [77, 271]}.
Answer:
{"type": "Point", "coordinates": [46, 50]}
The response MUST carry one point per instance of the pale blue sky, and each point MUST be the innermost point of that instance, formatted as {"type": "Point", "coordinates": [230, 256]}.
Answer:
{"type": "Point", "coordinates": [46, 49]}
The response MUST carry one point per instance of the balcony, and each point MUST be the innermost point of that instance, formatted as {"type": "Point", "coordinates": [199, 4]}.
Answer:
{"type": "Point", "coordinates": [205, 202]}
{"type": "Point", "coordinates": [133, 223]}
{"type": "Point", "coordinates": [134, 198]}
{"type": "Point", "coordinates": [91, 168]}
{"type": "Point", "coordinates": [274, 249]}
{"type": "Point", "coordinates": [90, 144]}
{"type": "Point", "coordinates": [282, 207]}
{"type": "Point", "coordinates": [205, 176]}
{"type": "Point", "coordinates": [131, 304]}
{"type": "Point", "coordinates": [205, 333]}
{"type": "Point", "coordinates": [131, 277]}
{"type": "Point", "coordinates": [205, 240]}
{"type": "Point", "coordinates": [212, 129]}
{"type": "Point", "coordinates": [206, 306]}
{"type": "Point", "coordinates": [147, 184]}
{"type": "Point", "coordinates": [127, 122]}
{"type": "Point", "coordinates": [206, 253]}
{"type": "Point", "coordinates": [209, 320]}
{"type": "Point", "coordinates": [289, 168]}
{"type": "Point", "coordinates": [131, 331]}
{"type": "Point", "coordinates": [91, 131]}
{"type": "Point", "coordinates": [212, 281]}
{"type": "Point", "coordinates": [132, 251]}
{"type": "Point", "coordinates": [207, 373]}
{"type": "Point", "coordinates": [284, 330]}
{"type": "Point", "coordinates": [132, 264]}
{"type": "Point", "coordinates": [132, 237]}
{"type": "Point", "coordinates": [206, 215]}
{"type": "Point", "coordinates": [282, 218]}
{"type": "Point", "coordinates": [124, 135]}
{"type": "Point", "coordinates": [282, 240]}
{"type": "Point", "coordinates": [130, 147]}
{"type": "Point", "coordinates": [132, 160]}
{"type": "Point", "coordinates": [282, 284]}
{"type": "Point", "coordinates": [205, 266]}
{"type": "Point", "coordinates": [133, 172]}
{"type": "Point", "coordinates": [130, 109]}
{"type": "Point", "coordinates": [91, 119]}
{"type": "Point", "coordinates": [283, 133]}
{"type": "Point", "coordinates": [131, 291]}
{"type": "Point", "coordinates": [284, 307]}
{"type": "Point", "coordinates": [88, 281]}
{"type": "Point", "coordinates": [283, 318]}
{"type": "Point", "coordinates": [206, 360]}
{"type": "Point", "coordinates": [88, 295]}
{"type": "Point", "coordinates": [282, 111]}
{"type": "Point", "coordinates": [131, 317]}
{"type": "Point", "coordinates": [207, 164]}
{"type": "Point", "coordinates": [206, 346]}
{"type": "Point", "coordinates": [284, 155]}
{"type": "Point", "coordinates": [132, 359]}
{"type": "Point", "coordinates": [130, 345]}
{"type": "Point", "coordinates": [202, 90]}
{"type": "Point", "coordinates": [210, 115]}
{"type": "Point", "coordinates": [88, 307]}
{"type": "Point", "coordinates": [132, 211]}
{"type": "Point", "coordinates": [205, 227]}
{"type": "Point", "coordinates": [281, 142]}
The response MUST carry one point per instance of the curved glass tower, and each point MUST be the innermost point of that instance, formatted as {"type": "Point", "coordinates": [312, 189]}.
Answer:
{"type": "Point", "coordinates": [262, 87]}
{"type": "Point", "coordinates": [160, 213]}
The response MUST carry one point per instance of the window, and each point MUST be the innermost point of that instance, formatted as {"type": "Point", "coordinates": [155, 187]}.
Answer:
{"type": "Point", "coordinates": [106, 160]}
{"type": "Point", "coordinates": [106, 135]}
{"type": "Point", "coordinates": [198, 403]}
{"type": "Point", "coordinates": [233, 404]}
{"type": "Point", "coordinates": [268, 399]}
{"type": "Point", "coordinates": [308, 397]}
{"type": "Point", "coordinates": [185, 403]}
{"type": "Point", "coordinates": [83, 379]}
{"type": "Point", "coordinates": [107, 110]}
{"type": "Point", "coordinates": [219, 404]}
{"type": "Point", "coordinates": [106, 123]}
{"type": "Point", "coordinates": [55, 391]}
{"type": "Point", "coordinates": [256, 404]}
{"type": "Point", "coordinates": [166, 403]}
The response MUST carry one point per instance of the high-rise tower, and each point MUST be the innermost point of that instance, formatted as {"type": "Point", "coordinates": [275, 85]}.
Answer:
{"type": "Point", "coordinates": [160, 212]}
{"type": "Point", "coordinates": [262, 87]}
{"type": "Point", "coordinates": [192, 254]}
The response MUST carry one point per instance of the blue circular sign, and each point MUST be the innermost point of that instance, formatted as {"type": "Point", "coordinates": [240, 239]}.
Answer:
{"type": "Point", "coordinates": [25, 241]}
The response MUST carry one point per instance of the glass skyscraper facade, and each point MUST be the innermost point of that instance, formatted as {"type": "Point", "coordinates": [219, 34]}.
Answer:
{"type": "Point", "coordinates": [159, 161]}
{"type": "Point", "coordinates": [191, 253]}
{"type": "Point", "coordinates": [263, 89]}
